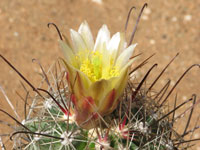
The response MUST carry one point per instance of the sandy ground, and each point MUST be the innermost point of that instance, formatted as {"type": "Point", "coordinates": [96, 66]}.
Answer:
{"type": "Point", "coordinates": [166, 27]}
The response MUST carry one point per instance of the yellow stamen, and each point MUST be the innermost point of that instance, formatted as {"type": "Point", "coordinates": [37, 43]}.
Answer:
{"type": "Point", "coordinates": [92, 67]}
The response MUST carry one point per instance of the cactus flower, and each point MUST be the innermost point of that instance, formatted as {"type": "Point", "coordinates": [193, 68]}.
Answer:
{"type": "Point", "coordinates": [97, 73]}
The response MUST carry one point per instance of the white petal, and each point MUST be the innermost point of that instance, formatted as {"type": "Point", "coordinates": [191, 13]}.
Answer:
{"type": "Point", "coordinates": [114, 43]}
{"type": "Point", "coordinates": [67, 51]}
{"type": "Point", "coordinates": [78, 42]}
{"type": "Point", "coordinates": [113, 46]}
{"type": "Point", "coordinates": [102, 39]}
{"type": "Point", "coordinates": [129, 63]}
{"type": "Point", "coordinates": [125, 56]}
{"type": "Point", "coordinates": [86, 34]}
{"type": "Point", "coordinates": [106, 59]}
{"type": "Point", "coordinates": [122, 44]}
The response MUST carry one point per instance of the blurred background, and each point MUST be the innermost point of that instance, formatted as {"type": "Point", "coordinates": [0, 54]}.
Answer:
{"type": "Point", "coordinates": [166, 28]}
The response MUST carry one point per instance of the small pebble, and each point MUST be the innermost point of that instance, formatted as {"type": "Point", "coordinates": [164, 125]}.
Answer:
{"type": "Point", "coordinates": [172, 83]}
{"type": "Point", "coordinates": [144, 17]}
{"type": "Point", "coordinates": [147, 11]}
{"type": "Point", "coordinates": [187, 17]}
{"type": "Point", "coordinates": [152, 41]}
{"type": "Point", "coordinates": [174, 19]}
{"type": "Point", "coordinates": [164, 36]}
{"type": "Point", "coordinates": [184, 98]}
{"type": "Point", "coordinates": [16, 34]}
{"type": "Point", "coordinates": [97, 1]}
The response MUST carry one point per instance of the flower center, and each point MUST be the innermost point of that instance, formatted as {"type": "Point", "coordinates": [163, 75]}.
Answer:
{"type": "Point", "coordinates": [92, 66]}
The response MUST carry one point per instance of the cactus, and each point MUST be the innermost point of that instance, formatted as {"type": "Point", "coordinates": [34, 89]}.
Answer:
{"type": "Point", "coordinates": [141, 119]}
{"type": "Point", "coordinates": [139, 122]}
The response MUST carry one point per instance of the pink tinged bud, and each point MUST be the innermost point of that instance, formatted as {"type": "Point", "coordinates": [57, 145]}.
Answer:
{"type": "Point", "coordinates": [88, 103]}
{"type": "Point", "coordinates": [86, 116]}
{"type": "Point", "coordinates": [73, 98]}
{"type": "Point", "coordinates": [107, 103]}
{"type": "Point", "coordinates": [67, 77]}
{"type": "Point", "coordinates": [111, 98]}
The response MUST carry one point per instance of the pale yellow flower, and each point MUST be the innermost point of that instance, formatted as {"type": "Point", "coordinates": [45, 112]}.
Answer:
{"type": "Point", "coordinates": [97, 72]}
